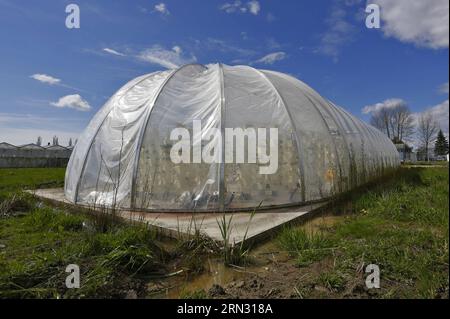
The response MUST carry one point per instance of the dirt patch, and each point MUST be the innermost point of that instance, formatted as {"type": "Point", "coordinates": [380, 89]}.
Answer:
{"type": "Point", "coordinates": [286, 280]}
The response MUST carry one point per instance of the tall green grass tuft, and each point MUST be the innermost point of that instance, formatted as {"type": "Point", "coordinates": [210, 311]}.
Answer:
{"type": "Point", "coordinates": [332, 280]}
{"type": "Point", "coordinates": [306, 247]}
{"type": "Point", "coordinates": [233, 254]}
{"type": "Point", "coordinates": [15, 203]}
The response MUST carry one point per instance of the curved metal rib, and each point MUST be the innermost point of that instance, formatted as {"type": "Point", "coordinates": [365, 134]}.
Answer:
{"type": "Point", "coordinates": [222, 131]}
{"type": "Point", "coordinates": [144, 128]}
{"type": "Point", "coordinates": [77, 188]}
{"type": "Point", "coordinates": [340, 129]}
{"type": "Point", "coordinates": [297, 141]}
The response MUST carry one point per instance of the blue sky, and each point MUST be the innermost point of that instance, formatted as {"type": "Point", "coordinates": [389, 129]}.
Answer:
{"type": "Point", "coordinates": [53, 79]}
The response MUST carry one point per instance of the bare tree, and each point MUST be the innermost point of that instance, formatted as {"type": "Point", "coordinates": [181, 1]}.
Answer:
{"type": "Point", "coordinates": [426, 131]}
{"type": "Point", "coordinates": [396, 121]}
{"type": "Point", "coordinates": [402, 123]}
{"type": "Point", "coordinates": [381, 120]}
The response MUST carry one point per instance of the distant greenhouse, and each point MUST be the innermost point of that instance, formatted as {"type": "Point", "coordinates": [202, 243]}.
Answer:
{"type": "Point", "coordinates": [32, 155]}
{"type": "Point", "coordinates": [124, 156]}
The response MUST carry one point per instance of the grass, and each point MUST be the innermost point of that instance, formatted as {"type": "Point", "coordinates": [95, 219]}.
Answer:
{"type": "Point", "coordinates": [431, 163]}
{"type": "Point", "coordinates": [332, 280]}
{"type": "Point", "coordinates": [42, 243]}
{"type": "Point", "coordinates": [37, 242]}
{"type": "Point", "coordinates": [233, 254]}
{"type": "Point", "coordinates": [12, 179]}
{"type": "Point", "coordinates": [305, 247]}
{"type": "Point", "coordinates": [197, 294]}
{"type": "Point", "coordinates": [401, 224]}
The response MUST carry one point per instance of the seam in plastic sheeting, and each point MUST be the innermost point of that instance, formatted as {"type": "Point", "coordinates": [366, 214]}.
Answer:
{"type": "Point", "coordinates": [71, 181]}
{"type": "Point", "coordinates": [298, 143]}
{"type": "Point", "coordinates": [222, 130]}
{"type": "Point", "coordinates": [161, 183]}
{"type": "Point", "coordinates": [125, 106]}
{"type": "Point", "coordinates": [323, 108]}
{"type": "Point", "coordinates": [311, 101]}
{"type": "Point", "coordinates": [143, 129]}
{"type": "Point", "coordinates": [98, 130]}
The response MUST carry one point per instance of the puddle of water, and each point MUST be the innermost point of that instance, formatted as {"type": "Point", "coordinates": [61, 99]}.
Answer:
{"type": "Point", "coordinates": [217, 273]}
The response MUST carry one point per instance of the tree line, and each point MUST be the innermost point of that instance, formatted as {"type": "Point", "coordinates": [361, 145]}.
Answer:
{"type": "Point", "coordinates": [402, 126]}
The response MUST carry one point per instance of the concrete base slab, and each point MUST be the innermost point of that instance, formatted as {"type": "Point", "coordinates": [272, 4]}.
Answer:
{"type": "Point", "coordinates": [261, 225]}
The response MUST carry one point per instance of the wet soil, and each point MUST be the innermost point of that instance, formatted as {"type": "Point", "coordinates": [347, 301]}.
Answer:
{"type": "Point", "coordinates": [271, 274]}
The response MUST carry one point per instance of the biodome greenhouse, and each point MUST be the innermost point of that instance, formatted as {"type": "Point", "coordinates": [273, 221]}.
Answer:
{"type": "Point", "coordinates": [125, 156]}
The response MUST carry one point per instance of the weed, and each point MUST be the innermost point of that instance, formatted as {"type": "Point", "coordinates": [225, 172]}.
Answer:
{"type": "Point", "coordinates": [306, 247]}
{"type": "Point", "coordinates": [235, 254]}
{"type": "Point", "coordinates": [196, 294]}
{"type": "Point", "coordinates": [13, 203]}
{"type": "Point", "coordinates": [332, 280]}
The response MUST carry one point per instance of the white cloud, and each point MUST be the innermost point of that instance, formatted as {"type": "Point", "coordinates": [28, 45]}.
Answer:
{"type": "Point", "coordinates": [44, 78]}
{"type": "Point", "coordinates": [169, 59]}
{"type": "Point", "coordinates": [272, 44]}
{"type": "Point", "coordinates": [157, 54]}
{"type": "Point", "coordinates": [162, 8]}
{"type": "Point", "coordinates": [424, 23]}
{"type": "Point", "coordinates": [386, 104]}
{"type": "Point", "coordinates": [48, 79]}
{"type": "Point", "coordinates": [74, 101]}
{"type": "Point", "coordinates": [231, 7]}
{"type": "Point", "coordinates": [252, 7]}
{"type": "Point", "coordinates": [213, 44]}
{"type": "Point", "coordinates": [440, 113]}
{"type": "Point", "coordinates": [272, 58]}
{"type": "Point", "coordinates": [340, 32]}
{"type": "Point", "coordinates": [113, 52]}
{"type": "Point", "coordinates": [177, 50]}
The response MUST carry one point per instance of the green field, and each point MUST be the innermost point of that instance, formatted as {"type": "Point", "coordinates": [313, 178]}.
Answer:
{"type": "Point", "coordinates": [38, 241]}
{"type": "Point", "coordinates": [19, 178]}
{"type": "Point", "coordinates": [400, 224]}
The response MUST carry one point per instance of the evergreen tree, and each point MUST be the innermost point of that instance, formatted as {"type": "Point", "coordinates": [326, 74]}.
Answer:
{"type": "Point", "coordinates": [441, 145]}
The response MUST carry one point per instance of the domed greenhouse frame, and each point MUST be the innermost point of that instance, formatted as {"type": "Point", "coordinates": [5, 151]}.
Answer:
{"type": "Point", "coordinates": [123, 157]}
